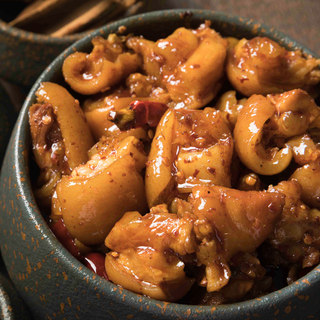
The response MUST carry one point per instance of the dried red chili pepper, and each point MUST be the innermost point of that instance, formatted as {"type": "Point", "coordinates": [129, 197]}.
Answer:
{"type": "Point", "coordinates": [61, 232]}
{"type": "Point", "coordinates": [95, 262]}
{"type": "Point", "coordinates": [147, 112]}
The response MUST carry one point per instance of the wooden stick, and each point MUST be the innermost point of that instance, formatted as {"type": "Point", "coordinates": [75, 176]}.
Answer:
{"type": "Point", "coordinates": [80, 19]}
{"type": "Point", "coordinates": [63, 17]}
{"type": "Point", "coordinates": [36, 9]}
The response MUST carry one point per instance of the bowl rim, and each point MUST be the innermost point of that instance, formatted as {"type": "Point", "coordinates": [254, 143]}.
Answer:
{"type": "Point", "coordinates": [24, 185]}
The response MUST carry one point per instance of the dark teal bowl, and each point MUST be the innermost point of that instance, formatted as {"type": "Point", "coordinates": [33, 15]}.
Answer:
{"type": "Point", "coordinates": [24, 55]}
{"type": "Point", "coordinates": [12, 306]}
{"type": "Point", "coordinates": [53, 283]}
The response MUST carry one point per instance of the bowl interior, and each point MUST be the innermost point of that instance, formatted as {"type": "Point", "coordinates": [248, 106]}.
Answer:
{"type": "Point", "coordinates": [153, 26]}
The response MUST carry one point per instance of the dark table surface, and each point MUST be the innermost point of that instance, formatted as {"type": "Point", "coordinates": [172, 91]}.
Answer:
{"type": "Point", "coordinates": [300, 19]}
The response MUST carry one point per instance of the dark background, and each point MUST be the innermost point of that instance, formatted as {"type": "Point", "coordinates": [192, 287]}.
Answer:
{"type": "Point", "coordinates": [300, 19]}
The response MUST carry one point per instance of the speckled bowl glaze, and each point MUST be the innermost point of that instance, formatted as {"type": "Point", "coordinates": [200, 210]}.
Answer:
{"type": "Point", "coordinates": [12, 306]}
{"type": "Point", "coordinates": [57, 286]}
{"type": "Point", "coordinates": [24, 55]}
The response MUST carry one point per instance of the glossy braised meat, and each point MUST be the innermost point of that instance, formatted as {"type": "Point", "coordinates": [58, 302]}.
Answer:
{"type": "Point", "coordinates": [262, 66]}
{"type": "Point", "coordinates": [218, 223]}
{"type": "Point", "coordinates": [189, 64]}
{"type": "Point", "coordinates": [297, 234]}
{"type": "Point", "coordinates": [190, 148]}
{"type": "Point", "coordinates": [193, 190]}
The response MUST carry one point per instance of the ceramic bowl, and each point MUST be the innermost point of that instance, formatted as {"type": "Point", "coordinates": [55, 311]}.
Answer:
{"type": "Point", "coordinates": [12, 306]}
{"type": "Point", "coordinates": [53, 283]}
{"type": "Point", "coordinates": [25, 55]}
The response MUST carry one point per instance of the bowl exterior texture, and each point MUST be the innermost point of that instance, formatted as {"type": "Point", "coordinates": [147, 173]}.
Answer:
{"type": "Point", "coordinates": [57, 286]}
{"type": "Point", "coordinates": [12, 306]}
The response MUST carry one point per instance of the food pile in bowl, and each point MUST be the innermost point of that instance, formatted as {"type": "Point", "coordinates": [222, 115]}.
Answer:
{"type": "Point", "coordinates": [185, 169]}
